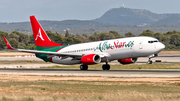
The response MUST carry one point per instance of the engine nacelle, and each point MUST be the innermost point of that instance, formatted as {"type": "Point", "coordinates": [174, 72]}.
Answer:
{"type": "Point", "coordinates": [127, 61]}
{"type": "Point", "coordinates": [90, 59]}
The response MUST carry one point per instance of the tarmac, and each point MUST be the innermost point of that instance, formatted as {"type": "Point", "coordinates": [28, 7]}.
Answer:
{"type": "Point", "coordinates": [34, 69]}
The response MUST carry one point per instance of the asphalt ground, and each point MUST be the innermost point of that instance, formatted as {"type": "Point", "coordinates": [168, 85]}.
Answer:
{"type": "Point", "coordinates": [91, 73]}
{"type": "Point", "coordinates": [33, 69]}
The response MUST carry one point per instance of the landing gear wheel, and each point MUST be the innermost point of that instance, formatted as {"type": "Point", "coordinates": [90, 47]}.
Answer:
{"type": "Point", "coordinates": [83, 67]}
{"type": "Point", "coordinates": [149, 61]}
{"type": "Point", "coordinates": [106, 67]}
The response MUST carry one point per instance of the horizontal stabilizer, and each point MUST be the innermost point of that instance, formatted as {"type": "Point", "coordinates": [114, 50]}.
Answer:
{"type": "Point", "coordinates": [8, 45]}
{"type": "Point", "coordinates": [41, 52]}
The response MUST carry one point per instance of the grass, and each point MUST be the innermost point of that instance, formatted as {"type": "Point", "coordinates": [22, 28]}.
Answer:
{"type": "Point", "coordinates": [130, 66]}
{"type": "Point", "coordinates": [73, 90]}
{"type": "Point", "coordinates": [21, 62]}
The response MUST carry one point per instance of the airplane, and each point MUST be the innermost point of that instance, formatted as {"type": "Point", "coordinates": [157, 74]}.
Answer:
{"type": "Point", "coordinates": [124, 50]}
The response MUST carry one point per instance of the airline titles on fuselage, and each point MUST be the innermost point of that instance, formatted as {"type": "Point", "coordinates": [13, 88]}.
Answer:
{"type": "Point", "coordinates": [106, 46]}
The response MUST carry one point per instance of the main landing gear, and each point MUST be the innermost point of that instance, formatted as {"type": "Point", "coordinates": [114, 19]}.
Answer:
{"type": "Point", "coordinates": [106, 66]}
{"type": "Point", "coordinates": [83, 67]}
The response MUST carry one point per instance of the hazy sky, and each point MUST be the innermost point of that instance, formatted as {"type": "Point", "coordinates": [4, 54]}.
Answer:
{"type": "Point", "coordinates": [20, 10]}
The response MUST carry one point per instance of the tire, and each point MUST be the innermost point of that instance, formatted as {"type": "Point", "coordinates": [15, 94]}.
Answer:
{"type": "Point", "coordinates": [83, 67]}
{"type": "Point", "coordinates": [150, 62]}
{"type": "Point", "coordinates": [106, 67]}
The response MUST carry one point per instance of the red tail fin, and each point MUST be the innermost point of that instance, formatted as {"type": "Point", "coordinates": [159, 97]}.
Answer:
{"type": "Point", "coordinates": [40, 37]}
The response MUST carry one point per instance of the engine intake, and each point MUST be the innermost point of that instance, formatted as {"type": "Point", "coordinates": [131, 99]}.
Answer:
{"type": "Point", "coordinates": [127, 61]}
{"type": "Point", "coordinates": [90, 59]}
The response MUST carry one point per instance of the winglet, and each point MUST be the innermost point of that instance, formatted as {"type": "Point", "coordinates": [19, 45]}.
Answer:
{"type": "Point", "coordinates": [8, 45]}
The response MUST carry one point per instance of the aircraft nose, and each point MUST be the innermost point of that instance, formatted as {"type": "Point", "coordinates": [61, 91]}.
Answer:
{"type": "Point", "coordinates": [161, 46]}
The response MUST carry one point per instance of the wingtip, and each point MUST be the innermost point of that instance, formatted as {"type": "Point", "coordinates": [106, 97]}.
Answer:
{"type": "Point", "coordinates": [7, 44]}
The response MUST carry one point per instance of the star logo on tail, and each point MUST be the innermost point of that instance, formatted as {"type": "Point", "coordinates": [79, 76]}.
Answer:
{"type": "Point", "coordinates": [39, 35]}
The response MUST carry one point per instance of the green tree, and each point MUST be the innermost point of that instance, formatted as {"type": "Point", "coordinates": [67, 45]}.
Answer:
{"type": "Point", "coordinates": [115, 33]}
{"type": "Point", "coordinates": [76, 40]}
{"type": "Point", "coordinates": [175, 39]}
{"type": "Point", "coordinates": [147, 33]}
{"type": "Point", "coordinates": [31, 46]}
{"type": "Point", "coordinates": [21, 45]}
{"type": "Point", "coordinates": [2, 33]}
{"type": "Point", "coordinates": [85, 35]}
{"type": "Point", "coordinates": [13, 42]}
{"type": "Point", "coordinates": [129, 34]}
{"type": "Point", "coordinates": [158, 36]}
{"type": "Point", "coordinates": [93, 38]}
{"type": "Point", "coordinates": [14, 35]}
{"type": "Point", "coordinates": [2, 43]}
{"type": "Point", "coordinates": [50, 35]}
{"type": "Point", "coordinates": [31, 39]}
{"type": "Point", "coordinates": [106, 36]}
{"type": "Point", "coordinates": [67, 34]}
{"type": "Point", "coordinates": [58, 38]}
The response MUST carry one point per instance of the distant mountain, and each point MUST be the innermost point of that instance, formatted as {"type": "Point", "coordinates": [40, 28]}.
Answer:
{"type": "Point", "coordinates": [172, 20]}
{"type": "Point", "coordinates": [72, 24]}
{"type": "Point", "coordinates": [25, 27]}
{"type": "Point", "coordinates": [128, 16]}
{"type": "Point", "coordinates": [119, 19]}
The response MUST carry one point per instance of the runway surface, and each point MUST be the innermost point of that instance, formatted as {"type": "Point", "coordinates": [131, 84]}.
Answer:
{"type": "Point", "coordinates": [95, 73]}
{"type": "Point", "coordinates": [142, 60]}
{"type": "Point", "coordinates": [34, 69]}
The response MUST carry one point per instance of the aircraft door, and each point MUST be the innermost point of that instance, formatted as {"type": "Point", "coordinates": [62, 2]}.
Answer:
{"type": "Point", "coordinates": [141, 44]}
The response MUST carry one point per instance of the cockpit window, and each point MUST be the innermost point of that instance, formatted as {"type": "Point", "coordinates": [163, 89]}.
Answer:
{"type": "Point", "coordinates": [156, 41]}
{"type": "Point", "coordinates": [150, 41]}
{"type": "Point", "coordinates": [153, 41]}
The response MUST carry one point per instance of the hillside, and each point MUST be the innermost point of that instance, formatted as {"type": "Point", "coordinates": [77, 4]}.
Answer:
{"type": "Point", "coordinates": [128, 16]}
{"type": "Point", "coordinates": [120, 19]}
{"type": "Point", "coordinates": [58, 26]}
{"type": "Point", "coordinates": [172, 20]}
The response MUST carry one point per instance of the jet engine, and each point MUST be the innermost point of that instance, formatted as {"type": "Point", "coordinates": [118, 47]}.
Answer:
{"type": "Point", "coordinates": [127, 61]}
{"type": "Point", "coordinates": [90, 59]}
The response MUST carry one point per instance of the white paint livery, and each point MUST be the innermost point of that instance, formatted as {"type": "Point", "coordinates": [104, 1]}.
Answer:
{"type": "Point", "coordinates": [141, 48]}
{"type": "Point", "coordinates": [39, 35]}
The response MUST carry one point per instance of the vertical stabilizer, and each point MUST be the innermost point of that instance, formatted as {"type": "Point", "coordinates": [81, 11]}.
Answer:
{"type": "Point", "coordinates": [40, 37]}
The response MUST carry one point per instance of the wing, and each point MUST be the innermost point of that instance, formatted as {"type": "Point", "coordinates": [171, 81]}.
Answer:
{"type": "Point", "coordinates": [40, 52]}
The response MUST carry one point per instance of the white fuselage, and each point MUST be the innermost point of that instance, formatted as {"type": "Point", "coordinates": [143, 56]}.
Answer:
{"type": "Point", "coordinates": [115, 49]}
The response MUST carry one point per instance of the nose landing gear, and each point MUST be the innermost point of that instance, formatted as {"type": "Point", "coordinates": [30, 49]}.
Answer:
{"type": "Point", "coordinates": [149, 61]}
{"type": "Point", "coordinates": [151, 56]}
